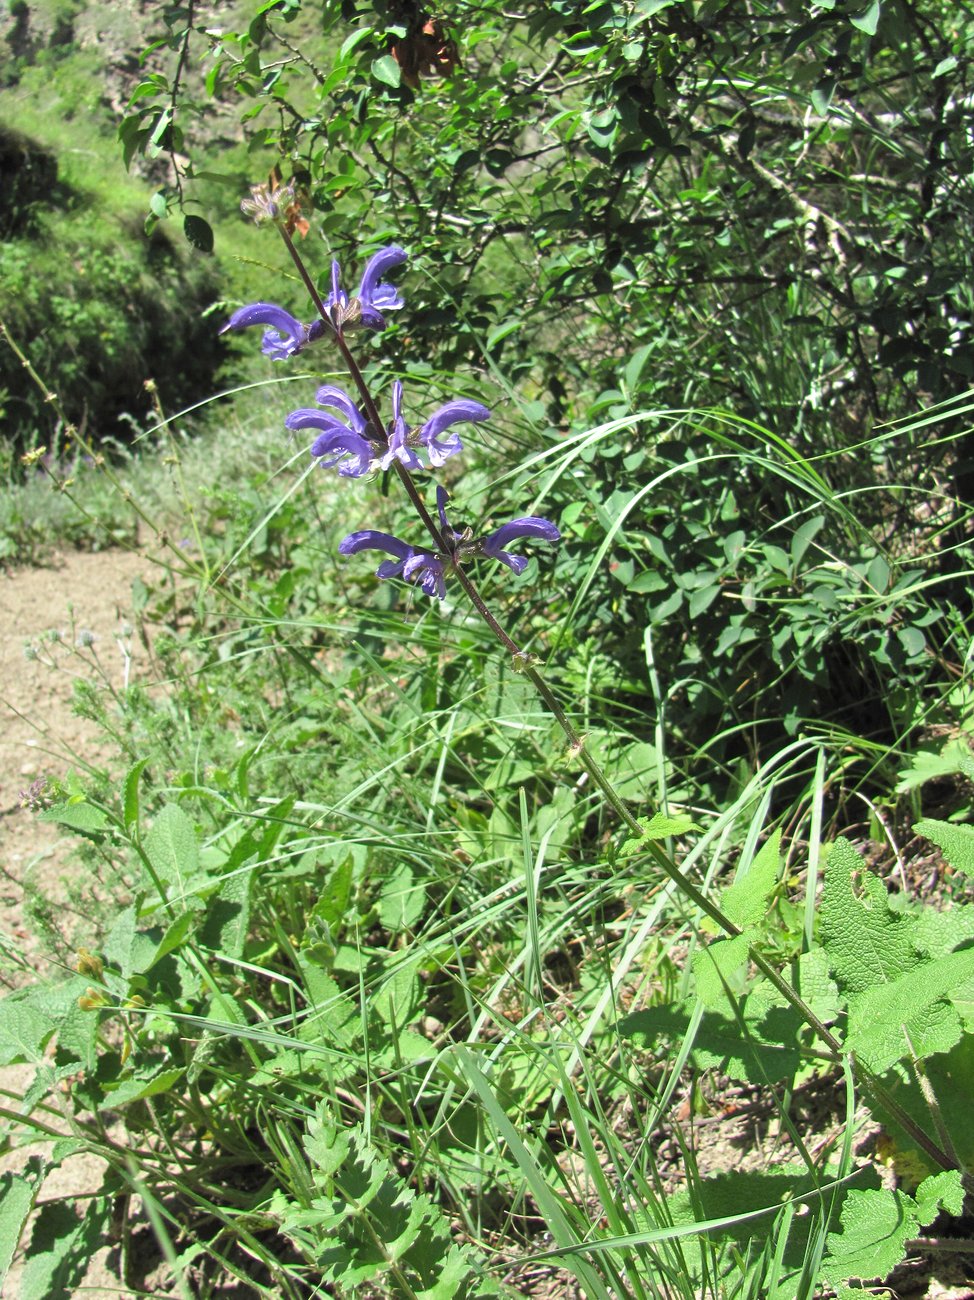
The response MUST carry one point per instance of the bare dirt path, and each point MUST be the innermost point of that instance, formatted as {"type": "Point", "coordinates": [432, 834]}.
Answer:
{"type": "Point", "coordinates": [82, 598]}
{"type": "Point", "coordinates": [86, 598]}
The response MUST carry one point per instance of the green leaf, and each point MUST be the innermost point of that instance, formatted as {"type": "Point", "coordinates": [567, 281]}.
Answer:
{"type": "Point", "coordinates": [198, 232]}
{"type": "Point", "coordinates": [803, 537]}
{"type": "Point", "coordinates": [397, 999]}
{"type": "Point", "coordinates": [944, 66]}
{"type": "Point", "coordinates": [352, 42]}
{"type": "Point", "coordinates": [817, 989]}
{"type": "Point", "coordinates": [909, 1014]}
{"type": "Point", "coordinates": [17, 1195]}
{"type": "Point", "coordinates": [402, 901]}
{"type": "Point", "coordinates": [173, 938]}
{"type": "Point", "coordinates": [659, 827]}
{"type": "Point", "coordinates": [170, 845]}
{"type": "Point", "coordinates": [866, 942]}
{"type": "Point", "coordinates": [764, 1049]}
{"type": "Point", "coordinates": [876, 1225]}
{"type": "Point", "coordinates": [387, 70]}
{"type": "Point", "coordinates": [327, 1142]}
{"type": "Point", "coordinates": [868, 22]}
{"type": "Point", "coordinates": [131, 801]}
{"type": "Point", "coordinates": [61, 1247]}
{"type": "Point", "coordinates": [927, 766]}
{"type": "Point", "coordinates": [940, 1191]}
{"type": "Point", "coordinates": [746, 900]}
{"type": "Point", "coordinates": [334, 900]}
{"type": "Point", "coordinates": [24, 1031]}
{"type": "Point", "coordinates": [79, 816]}
{"type": "Point", "coordinates": [126, 948]}
{"type": "Point", "coordinates": [957, 842]}
{"type": "Point", "coordinates": [716, 968]}
{"type": "Point", "coordinates": [224, 929]}
{"type": "Point", "coordinates": [139, 1087]}
{"type": "Point", "coordinates": [701, 599]}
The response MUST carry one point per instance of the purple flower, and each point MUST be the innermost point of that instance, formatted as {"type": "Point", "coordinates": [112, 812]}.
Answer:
{"type": "Point", "coordinates": [464, 546]}
{"type": "Point", "coordinates": [414, 566]}
{"type": "Point", "coordinates": [373, 299]}
{"type": "Point", "coordinates": [340, 442]}
{"type": "Point", "coordinates": [460, 408]}
{"type": "Point", "coordinates": [529, 526]}
{"type": "Point", "coordinates": [286, 335]}
{"type": "Point", "coordinates": [428, 569]}
{"type": "Point", "coordinates": [398, 434]}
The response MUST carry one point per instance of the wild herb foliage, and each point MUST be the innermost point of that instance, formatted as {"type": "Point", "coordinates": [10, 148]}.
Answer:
{"type": "Point", "coordinates": [618, 210]}
{"type": "Point", "coordinates": [410, 968]}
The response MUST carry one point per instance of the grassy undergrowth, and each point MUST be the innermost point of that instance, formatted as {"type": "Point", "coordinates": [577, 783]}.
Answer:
{"type": "Point", "coordinates": [375, 996]}
{"type": "Point", "coordinates": [613, 955]}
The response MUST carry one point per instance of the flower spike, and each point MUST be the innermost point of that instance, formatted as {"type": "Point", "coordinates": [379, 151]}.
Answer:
{"type": "Point", "coordinates": [367, 307]}
{"type": "Point", "coordinates": [340, 442]}
{"type": "Point", "coordinates": [284, 338]}
{"type": "Point", "coordinates": [530, 526]}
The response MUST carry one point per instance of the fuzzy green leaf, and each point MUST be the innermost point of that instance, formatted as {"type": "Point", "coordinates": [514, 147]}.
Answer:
{"type": "Point", "coordinates": [889, 1021]}
{"type": "Point", "coordinates": [17, 1196]}
{"type": "Point", "coordinates": [941, 932]}
{"type": "Point", "coordinates": [866, 942]}
{"type": "Point", "coordinates": [397, 999]}
{"type": "Point", "coordinates": [127, 948]}
{"type": "Point", "coordinates": [716, 969]}
{"type": "Point", "coordinates": [766, 1049]}
{"type": "Point", "coordinates": [927, 766]}
{"type": "Point", "coordinates": [746, 900]}
{"type": "Point", "coordinates": [139, 1087]}
{"type": "Point", "coordinates": [61, 1246]}
{"type": "Point", "coordinates": [170, 845]}
{"type": "Point", "coordinates": [876, 1225]}
{"type": "Point", "coordinates": [816, 987]}
{"type": "Point", "coordinates": [77, 816]}
{"type": "Point", "coordinates": [957, 842]}
{"type": "Point", "coordinates": [326, 1143]}
{"type": "Point", "coordinates": [131, 800]}
{"type": "Point", "coordinates": [173, 938]}
{"type": "Point", "coordinates": [402, 900]}
{"type": "Point", "coordinates": [224, 929]}
{"type": "Point", "coordinates": [659, 827]}
{"type": "Point", "coordinates": [24, 1031]}
{"type": "Point", "coordinates": [943, 1191]}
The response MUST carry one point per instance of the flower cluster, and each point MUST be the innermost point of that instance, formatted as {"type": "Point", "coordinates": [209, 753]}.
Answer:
{"type": "Point", "coordinates": [347, 440]}
{"type": "Point", "coordinates": [352, 444]}
{"type": "Point", "coordinates": [286, 336]}
{"type": "Point", "coordinates": [427, 568]}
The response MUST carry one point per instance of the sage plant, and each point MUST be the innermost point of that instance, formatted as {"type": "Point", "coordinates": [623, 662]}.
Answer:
{"type": "Point", "coordinates": [352, 438]}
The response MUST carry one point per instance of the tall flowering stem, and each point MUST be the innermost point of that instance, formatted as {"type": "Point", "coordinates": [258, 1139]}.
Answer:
{"type": "Point", "coordinates": [446, 545]}
{"type": "Point", "coordinates": [368, 444]}
{"type": "Point", "coordinates": [368, 401]}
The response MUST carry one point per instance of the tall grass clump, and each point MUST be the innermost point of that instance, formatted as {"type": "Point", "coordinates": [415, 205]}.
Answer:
{"type": "Point", "coordinates": [536, 851]}
{"type": "Point", "coordinates": [417, 964]}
